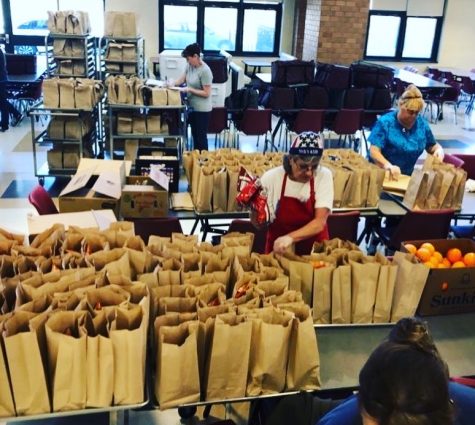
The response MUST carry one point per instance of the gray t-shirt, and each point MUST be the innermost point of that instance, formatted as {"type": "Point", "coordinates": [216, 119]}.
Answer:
{"type": "Point", "coordinates": [197, 78]}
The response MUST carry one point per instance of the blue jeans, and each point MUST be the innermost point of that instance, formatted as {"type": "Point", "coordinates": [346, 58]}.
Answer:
{"type": "Point", "coordinates": [199, 128]}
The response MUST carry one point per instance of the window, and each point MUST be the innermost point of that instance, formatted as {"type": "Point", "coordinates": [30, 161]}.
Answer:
{"type": "Point", "coordinates": [238, 26]}
{"type": "Point", "coordinates": [404, 31]}
{"type": "Point", "coordinates": [26, 22]}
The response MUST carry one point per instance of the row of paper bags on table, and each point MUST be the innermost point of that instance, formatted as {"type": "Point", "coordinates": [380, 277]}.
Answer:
{"type": "Point", "coordinates": [132, 90]}
{"type": "Point", "coordinates": [71, 93]}
{"type": "Point", "coordinates": [58, 360]}
{"type": "Point", "coordinates": [222, 353]}
{"type": "Point", "coordinates": [356, 182]}
{"type": "Point", "coordinates": [437, 185]}
{"type": "Point", "coordinates": [69, 22]}
{"type": "Point", "coordinates": [213, 176]}
{"type": "Point", "coordinates": [343, 285]}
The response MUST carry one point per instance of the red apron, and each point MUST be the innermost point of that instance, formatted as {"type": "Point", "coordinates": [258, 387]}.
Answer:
{"type": "Point", "coordinates": [292, 214]}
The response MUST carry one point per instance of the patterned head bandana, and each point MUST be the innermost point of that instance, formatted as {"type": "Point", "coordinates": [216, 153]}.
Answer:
{"type": "Point", "coordinates": [307, 143]}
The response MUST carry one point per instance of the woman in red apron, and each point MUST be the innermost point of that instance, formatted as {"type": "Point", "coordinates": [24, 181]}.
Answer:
{"type": "Point", "coordinates": [299, 221]}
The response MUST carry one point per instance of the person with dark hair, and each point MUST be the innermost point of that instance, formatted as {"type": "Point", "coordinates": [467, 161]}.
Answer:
{"type": "Point", "coordinates": [406, 382]}
{"type": "Point", "coordinates": [198, 78]}
{"type": "Point", "coordinates": [299, 197]}
{"type": "Point", "coordinates": [6, 108]}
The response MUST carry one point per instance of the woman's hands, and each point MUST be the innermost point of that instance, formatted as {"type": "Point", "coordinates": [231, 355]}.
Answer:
{"type": "Point", "coordinates": [394, 171]}
{"type": "Point", "coordinates": [439, 153]}
{"type": "Point", "coordinates": [282, 244]}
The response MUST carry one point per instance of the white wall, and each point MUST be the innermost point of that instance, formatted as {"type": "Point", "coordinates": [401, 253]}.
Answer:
{"type": "Point", "coordinates": [457, 47]}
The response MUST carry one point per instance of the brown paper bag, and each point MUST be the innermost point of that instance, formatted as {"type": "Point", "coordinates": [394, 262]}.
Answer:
{"type": "Point", "coordinates": [99, 364]}
{"type": "Point", "coordinates": [341, 294]}
{"type": "Point", "coordinates": [129, 335]}
{"type": "Point", "coordinates": [51, 92]}
{"type": "Point", "coordinates": [66, 336]}
{"type": "Point", "coordinates": [24, 347]}
{"type": "Point", "coordinates": [177, 375]}
{"type": "Point", "coordinates": [271, 329]}
{"type": "Point", "coordinates": [7, 407]}
{"type": "Point", "coordinates": [417, 190]}
{"type": "Point", "coordinates": [384, 292]}
{"type": "Point", "coordinates": [159, 97]}
{"type": "Point", "coordinates": [170, 274]}
{"type": "Point", "coordinates": [177, 304]}
{"type": "Point", "coordinates": [173, 98]}
{"type": "Point", "coordinates": [204, 191]}
{"type": "Point", "coordinates": [139, 124]}
{"type": "Point", "coordinates": [153, 124]}
{"type": "Point", "coordinates": [322, 294]}
{"type": "Point", "coordinates": [227, 369]}
{"type": "Point", "coordinates": [410, 281]}
{"type": "Point", "coordinates": [303, 368]}
{"type": "Point", "coordinates": [301, 279]}
{"type": "Point", "coordinates": [220, 190]}
{"type": "Point", "coordinates": [233, 175]}
{"type": "Point", "coordinates": [364, 281]}
{"type": "Point", "coordinates": [66, 93]}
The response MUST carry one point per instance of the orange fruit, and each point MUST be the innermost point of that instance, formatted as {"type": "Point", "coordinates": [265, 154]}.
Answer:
{"type": "Point", "coordinates": [434, 260]}
{"type": "Point", "coordinates": [458, 264]}
{"type": "Point", "coordinates": [410, 248]}
{"type": "Point", "coordinates": [429, 246]}
{"type": "Point", "coordinates": [442, 265]}
{"type": "Point", "coordinates": [469, 259]}
{"type": "Point", "coordinates": [454, 255]}
{"type": "Point", "coordinates": [438, 255]}
{"type": "Point", "coordinates": [423, 254]}
{"type": "Point", "coordinates": [446, 262]}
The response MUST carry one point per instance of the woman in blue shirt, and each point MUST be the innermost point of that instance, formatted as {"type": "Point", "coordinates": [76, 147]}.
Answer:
{"type": "Point", "coordinates": [399, 137]}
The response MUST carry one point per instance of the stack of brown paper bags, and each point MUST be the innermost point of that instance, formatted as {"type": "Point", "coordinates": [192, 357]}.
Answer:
{"type": "Point", "coordinates": [397, 187]}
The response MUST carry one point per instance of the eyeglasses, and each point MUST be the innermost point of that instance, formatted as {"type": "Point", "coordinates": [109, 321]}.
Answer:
{"type": "Point", "coordinates": [302, 166]}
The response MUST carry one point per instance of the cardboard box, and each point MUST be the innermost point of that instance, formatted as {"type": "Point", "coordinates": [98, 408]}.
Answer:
{"type": "Point", "coordinates": [85, 192]}
{"type": "Point", "coordinates": [145, 196]}
{"type": "Point", "coordinates": [448, 291]}
{"type": "Point", "coordinates": [170, 165]}
{"type": "Point", "coordinates": [100, 219]}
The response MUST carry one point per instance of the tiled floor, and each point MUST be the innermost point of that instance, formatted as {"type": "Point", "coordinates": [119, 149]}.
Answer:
{"type": "Point", "coordinates": [16, 163]}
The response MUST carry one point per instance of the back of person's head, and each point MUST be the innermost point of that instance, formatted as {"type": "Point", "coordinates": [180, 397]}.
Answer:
{"type": "Point", "coordinates": [191, 50]}
{"type": "Point", "coordinates": [405, 381]}
{"type": "Point", "coordinates": [412, 99]}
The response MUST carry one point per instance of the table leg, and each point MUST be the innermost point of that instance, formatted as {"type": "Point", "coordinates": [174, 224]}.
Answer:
{"type": "Point", "coordinates": [204, 228]}
{"type": "Point", "coordinates": [274, 133]}
{"type": "Point", "coordinates": [195, 224]}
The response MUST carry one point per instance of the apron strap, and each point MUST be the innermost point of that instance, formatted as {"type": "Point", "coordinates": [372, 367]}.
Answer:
{"type": "Point", "coordinates": [312, 193]}
{"type": "Point", "coordinates": [312, 189]}
{"type": "Point", "coordinates": [284, 183]}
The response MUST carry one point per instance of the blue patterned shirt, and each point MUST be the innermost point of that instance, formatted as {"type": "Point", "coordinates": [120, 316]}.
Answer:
{"type": "Point", "coordinates": [399, 146]}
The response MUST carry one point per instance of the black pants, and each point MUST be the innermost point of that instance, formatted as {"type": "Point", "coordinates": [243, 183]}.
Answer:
{"type": "Point", "coordinates": [199, 128]}
{"type": "Point", "coordinates": [6, 108]}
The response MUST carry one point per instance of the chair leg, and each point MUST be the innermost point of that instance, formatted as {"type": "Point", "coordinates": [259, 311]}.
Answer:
{"type": "Point", "coordinates": [365, 141]}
